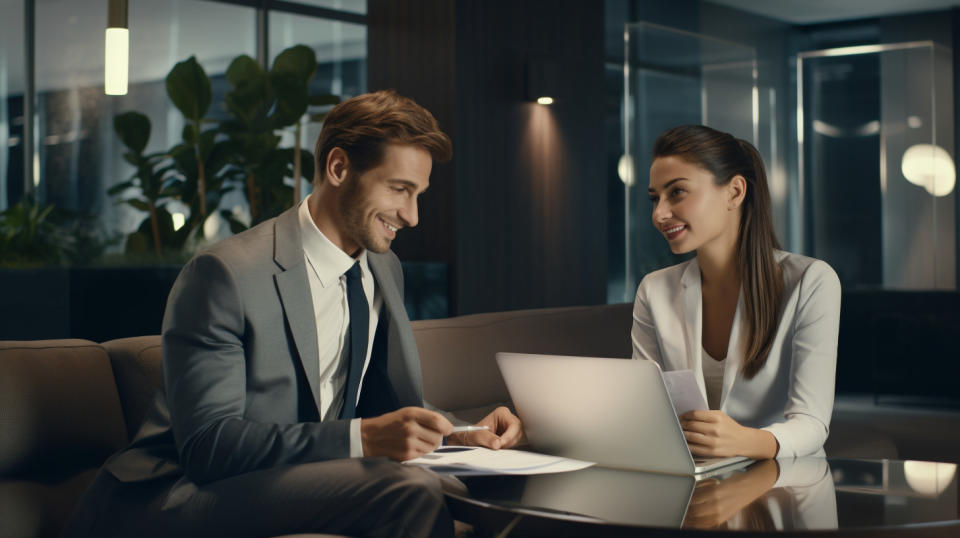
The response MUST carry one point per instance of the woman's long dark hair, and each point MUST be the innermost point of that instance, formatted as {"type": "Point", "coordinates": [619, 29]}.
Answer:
{"type": "Point", "coordinates": [725, 157]}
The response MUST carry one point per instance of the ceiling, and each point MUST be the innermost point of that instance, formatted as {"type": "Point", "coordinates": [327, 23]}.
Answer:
{"type": "Point", "coordinates": [820, 11]}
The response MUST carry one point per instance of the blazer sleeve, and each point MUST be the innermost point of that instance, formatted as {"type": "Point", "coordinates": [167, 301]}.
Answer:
{"type": "Point", "coordinates": [813, 366]}
{"type": "Point", "coordinates": [643, 335]}
{"type": "Point", "coordinates": [204, 368]}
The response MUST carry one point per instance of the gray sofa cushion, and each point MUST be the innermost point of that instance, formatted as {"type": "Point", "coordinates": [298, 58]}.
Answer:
{"type": "Point", "coordinates": [460, 373]}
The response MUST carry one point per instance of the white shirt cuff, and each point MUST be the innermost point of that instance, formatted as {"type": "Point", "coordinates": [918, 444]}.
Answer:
{"type": "Point", "coordinates": [356, 443]}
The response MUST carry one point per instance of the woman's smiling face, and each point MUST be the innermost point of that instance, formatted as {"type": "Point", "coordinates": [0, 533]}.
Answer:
{"type": "Point", "coordinates": [689, 208]}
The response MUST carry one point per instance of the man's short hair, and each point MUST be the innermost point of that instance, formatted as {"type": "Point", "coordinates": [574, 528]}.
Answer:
{"type": "Point", "coordinates": [362, 125]}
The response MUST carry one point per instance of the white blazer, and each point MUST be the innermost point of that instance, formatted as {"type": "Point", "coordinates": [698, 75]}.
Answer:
{"type": "Point", "coordinates": [792, 395]}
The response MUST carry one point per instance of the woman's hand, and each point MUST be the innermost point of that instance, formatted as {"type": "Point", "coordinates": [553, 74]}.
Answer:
{"type": "Point", "coordinates": [715, 501]}
{"type": "Point", "coordinates": [505, 431]}
{"type": "Point", "coordinates": [713, 434]}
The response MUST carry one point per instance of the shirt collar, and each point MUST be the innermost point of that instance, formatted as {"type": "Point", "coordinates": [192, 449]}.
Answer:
{"type": "Point", "coordinates": [327, 260]}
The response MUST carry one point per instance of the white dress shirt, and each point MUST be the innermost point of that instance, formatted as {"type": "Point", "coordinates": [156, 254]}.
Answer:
{"type": "Point", "coordinates": [327, 265]}
{"type": "Point", "coordinates": [792, 395]}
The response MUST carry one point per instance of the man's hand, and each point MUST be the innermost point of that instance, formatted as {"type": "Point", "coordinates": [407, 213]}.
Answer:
{"type": "Point", "coordinates": [505, 431]}
{"type": "Point", "coordinates": [403, 434]}
{"type": "Point", "coordinates": [713, 434]}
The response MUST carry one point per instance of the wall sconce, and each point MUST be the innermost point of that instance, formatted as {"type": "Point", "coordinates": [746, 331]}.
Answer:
{"type": "Point", "coordinates": [625, 170]}
{"type": "Point", "coordinates": [930, 167]}
{"type": "Point", "coordinates": [542, 81]}
{"type": "Point", "coordinates": [116, 49]}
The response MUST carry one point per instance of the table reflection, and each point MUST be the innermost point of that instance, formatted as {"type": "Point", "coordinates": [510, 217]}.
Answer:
{"type": "Point", "coordinates": [771, 495]}
{"type": "Point", "coordinates": [768, 495]}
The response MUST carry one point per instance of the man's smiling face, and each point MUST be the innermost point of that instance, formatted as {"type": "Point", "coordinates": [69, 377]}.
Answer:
{"type": "Point", "coordinates": [376, 204]}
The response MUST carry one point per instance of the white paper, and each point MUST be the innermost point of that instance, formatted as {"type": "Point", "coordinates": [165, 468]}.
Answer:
{"type": "Point", "coordinates": [684, 392]}
{"type": "Point", "coordinates": [472, 460]}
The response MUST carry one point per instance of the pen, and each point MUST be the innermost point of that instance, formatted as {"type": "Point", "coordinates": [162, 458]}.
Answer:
{"type": "Point", "coordinates": [457, 429]}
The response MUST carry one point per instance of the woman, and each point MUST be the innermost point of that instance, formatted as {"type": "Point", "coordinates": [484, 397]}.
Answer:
{"type": "Point", "coordinates": [758, 326]}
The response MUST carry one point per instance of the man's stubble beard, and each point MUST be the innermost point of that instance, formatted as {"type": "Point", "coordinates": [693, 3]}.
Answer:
{"type": "Point", "coordinates": [351, 212]}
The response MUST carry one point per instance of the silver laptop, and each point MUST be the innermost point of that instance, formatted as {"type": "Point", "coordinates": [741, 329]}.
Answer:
{"type": "Point", "coordinates": [615, 412]}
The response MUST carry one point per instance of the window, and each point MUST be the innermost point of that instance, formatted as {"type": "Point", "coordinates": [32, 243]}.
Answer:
{"type": "Point", "coordinates": [78, 155]}
{"type": "Point", "coordinates": [11, 102]}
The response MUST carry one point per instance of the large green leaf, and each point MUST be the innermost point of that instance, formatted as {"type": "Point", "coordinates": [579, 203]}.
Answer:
{"type": "Point", "coordinates": [119, 187]}
{"type": "Point", "coordinates": [236, 226]}
{"type": "Point", "coordinates": [306, 165]}
{"type": "Point", "coordinates": [299, 61]}
{"type": "Point", "coordinates": [134, 130]}
{"type": "Point", "coordinates": [242, 70]}
{"type": "Point", "coordinates": [291, 99]}
{"type": "Point", "coordinates": [189, 88]}
{"type": "Point", "coordinates": [133, 158]}
{"type": "Point", "coordinates": [139, 204]}
{"type": "Point", "coordinates": [205, 141]}
{"type": "Point", "coordinates": [248, 101]}
{"type": "Point", "coordinates": [189, 133]}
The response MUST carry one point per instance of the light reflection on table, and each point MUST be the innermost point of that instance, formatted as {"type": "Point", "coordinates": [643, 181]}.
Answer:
{"type": "Point", "coordinates": [784, 495]}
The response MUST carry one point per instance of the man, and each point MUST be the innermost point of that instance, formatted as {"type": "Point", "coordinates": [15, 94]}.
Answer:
{"type": "Point", "coordinates": [292, 380]}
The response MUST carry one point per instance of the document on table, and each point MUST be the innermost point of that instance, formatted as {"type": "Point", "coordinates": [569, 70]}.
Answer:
{"type": "Point", "coordinates": [683, 390]}
{"type": "Point", "coordinates": [473, 460]}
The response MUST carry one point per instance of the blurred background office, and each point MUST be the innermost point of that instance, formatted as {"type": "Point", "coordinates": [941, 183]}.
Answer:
{"type": "Point", "coordinates": [851, 103]}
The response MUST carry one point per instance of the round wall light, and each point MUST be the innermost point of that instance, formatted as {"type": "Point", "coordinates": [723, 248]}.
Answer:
{"type": "Point", "coordinates": [930, 167]}
{"type": "Point", "coordinates": [625, 170]}
{"type": "Point", "coordinates": [928, 478]}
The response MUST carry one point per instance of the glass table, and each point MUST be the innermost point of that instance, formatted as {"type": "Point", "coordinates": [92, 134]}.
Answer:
{"type": "Point", "coordinates": [804, 496]}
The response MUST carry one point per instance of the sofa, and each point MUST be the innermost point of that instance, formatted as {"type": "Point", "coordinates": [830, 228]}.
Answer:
{"type": "Point", "coordinates": [67, 405]}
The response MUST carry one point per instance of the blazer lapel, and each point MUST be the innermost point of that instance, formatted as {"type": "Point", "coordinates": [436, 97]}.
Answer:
{"type": "Point", "coordinates": [693, 321]}
{"type": "Point", "coordinates": [731, 365]}
{"type": "Point", "coordinates": [294, 290]}
{"type": "Point", "coordinates": [399, 368]}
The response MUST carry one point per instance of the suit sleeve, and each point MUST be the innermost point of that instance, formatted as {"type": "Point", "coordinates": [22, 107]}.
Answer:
{"type": "Point", "coordinates": [813, 365]}
{"type": "Point", "coordinates": [397, 269]}
{"type": "Point", "coordinates": [204, 368]}
{"type": "Point", "coordinates": [644, 332]}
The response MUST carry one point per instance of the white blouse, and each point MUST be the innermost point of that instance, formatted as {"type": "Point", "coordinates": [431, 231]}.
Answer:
{"type": "Point", "coordinates": [712, 379]}
{"type": "Point", "coordinates": [792, 395]}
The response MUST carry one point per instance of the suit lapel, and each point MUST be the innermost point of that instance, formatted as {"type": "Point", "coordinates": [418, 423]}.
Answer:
{"type": "Point", "coordinates": [403, 380]}
{"type": "Point", "coordinates": [297, 304]}
{"type": "Point", "coordinates": [693, 321]}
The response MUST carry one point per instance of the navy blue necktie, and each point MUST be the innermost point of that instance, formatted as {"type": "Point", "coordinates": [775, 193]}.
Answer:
{"type": "Point", "coordinates": [357, 333]}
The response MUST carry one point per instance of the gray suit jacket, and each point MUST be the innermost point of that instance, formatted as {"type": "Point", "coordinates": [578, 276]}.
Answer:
{"type": "Point", "coordinates": [241, 368]}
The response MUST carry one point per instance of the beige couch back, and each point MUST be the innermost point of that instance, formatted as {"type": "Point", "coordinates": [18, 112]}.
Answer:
{"type": "Point", "coordinates": [66, 405]}
{"type": "Point", "coordinates": [460, 373]}
{"type": "Point", "coordinates": [60, 417]}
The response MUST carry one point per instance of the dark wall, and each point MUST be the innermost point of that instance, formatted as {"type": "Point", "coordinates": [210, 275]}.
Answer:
{"type": "Point", "coordinates": [524, 225]}
{"type": "Point", "coordinates": [532, 230]}
{"type": "Point", "coordinates": [411, 49]}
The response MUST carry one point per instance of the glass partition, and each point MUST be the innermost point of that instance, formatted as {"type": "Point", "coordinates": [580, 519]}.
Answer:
{"type": "Point", "coordinates": [673, 77]}
{"type": "Point", "coordinates": [11, 101]}
{"type": "Point", "coordinates": [876, 169]}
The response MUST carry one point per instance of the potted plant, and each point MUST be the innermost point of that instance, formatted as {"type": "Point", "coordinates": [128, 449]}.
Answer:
{"type": "Point", "coordinates": [260, 103]}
